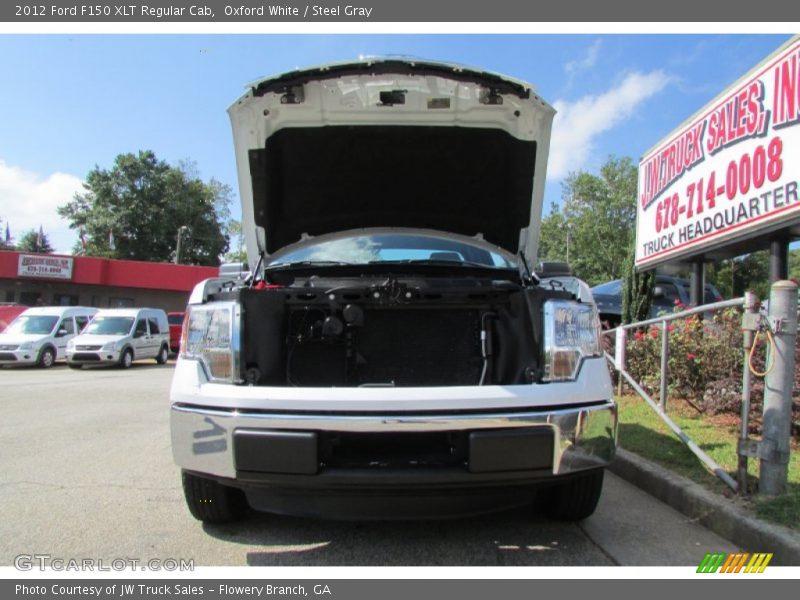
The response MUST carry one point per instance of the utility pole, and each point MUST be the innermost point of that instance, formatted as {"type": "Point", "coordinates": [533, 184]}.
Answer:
{"type": "Point", "coordinates": [569, 230]}
{"type": "Point", "coordinates": [181, 229]}
{"type": "Point", "coordinates": [778, 258]}
{"type": "Point", "coordinates": [697, 283]}
{"type": "Point", "coordinates": [778, 385]}
{"type": "Point", "coordinates": [751, 314]}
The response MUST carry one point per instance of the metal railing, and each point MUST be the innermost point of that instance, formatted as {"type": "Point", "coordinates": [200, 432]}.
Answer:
{"type": "Point", "coordinates": [780, 329]}
{"type": "Point", "coordinates": [663, 320]}
{"type": "Point", "coordinates": [712, 465]}
{"type": "Point", "coordinates": [660, 408]}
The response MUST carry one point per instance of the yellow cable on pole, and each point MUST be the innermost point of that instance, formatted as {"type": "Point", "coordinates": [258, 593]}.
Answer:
{"type": "Point", "coordinates": [770, 353]}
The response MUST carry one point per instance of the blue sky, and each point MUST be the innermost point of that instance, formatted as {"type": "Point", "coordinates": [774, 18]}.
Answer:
{"type": "Point", "coordinates": [70, 102]}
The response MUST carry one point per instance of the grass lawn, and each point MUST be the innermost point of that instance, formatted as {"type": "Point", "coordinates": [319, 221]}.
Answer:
{"type": "Point", "coordinates": [643, 432]}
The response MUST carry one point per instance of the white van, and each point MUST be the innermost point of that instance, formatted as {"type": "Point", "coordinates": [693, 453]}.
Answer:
{"type": "Point", "coordinates": [39, 336]}
{"type": "Point", "coordinates": [120, 336]}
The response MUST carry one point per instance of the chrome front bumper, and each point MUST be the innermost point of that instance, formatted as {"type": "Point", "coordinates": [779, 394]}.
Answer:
{"type": "Point", "coordinates": [584, 437]}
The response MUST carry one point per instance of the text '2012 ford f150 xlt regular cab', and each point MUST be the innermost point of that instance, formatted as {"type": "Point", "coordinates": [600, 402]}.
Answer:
{"type": "Point", "coordinates": [391, 354]}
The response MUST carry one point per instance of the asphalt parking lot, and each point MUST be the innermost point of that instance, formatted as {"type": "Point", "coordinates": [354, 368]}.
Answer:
{"type": "Point", "coordinates": [86, 471]}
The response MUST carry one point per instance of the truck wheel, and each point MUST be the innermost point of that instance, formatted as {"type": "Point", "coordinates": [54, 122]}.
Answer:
{"type": "Point", "coordinates": [212, 502]}
{"type": "Point", "coordinates": [163, 355]}
{"type": "Point", "coordinates": [575, 499]}
{"type": "Point", "coordinates": [46, 357]}
{"type": "Point", "coordinates": [126, 360]}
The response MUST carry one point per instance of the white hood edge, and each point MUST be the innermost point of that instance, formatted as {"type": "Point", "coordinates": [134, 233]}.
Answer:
{"type": "Point", "coordinates": [353, 99]}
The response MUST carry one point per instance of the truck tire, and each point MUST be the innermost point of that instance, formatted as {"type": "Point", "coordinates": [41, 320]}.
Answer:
{"type": "Point", "coordinates": [575, 499]}
{"type": "Point", "coordinates": [212, 502]}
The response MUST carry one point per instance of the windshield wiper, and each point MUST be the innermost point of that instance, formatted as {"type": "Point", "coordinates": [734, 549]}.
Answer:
{"type": "Point", "coordinates": [437, 262]}
{"type": "Point", "coordinates": [309, 263]}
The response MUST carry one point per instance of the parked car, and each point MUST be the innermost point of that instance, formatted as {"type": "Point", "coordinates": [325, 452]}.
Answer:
{"type": "Point", "coordinates": [39, 336]}
{"type": "Point", "coordinates": [9, 312]}
{"type": "Point", "coordinates": [119, 336]}
{"type": "Point", "coordinates": [175, 320]}
{"type": "Point", "coordinates": [392, 354]}
{"type": "Point", "coordinates": [667, 293]}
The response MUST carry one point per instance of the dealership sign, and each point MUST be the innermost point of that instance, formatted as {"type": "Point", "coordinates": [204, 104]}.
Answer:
{"type": "Point", "coordinates": [730, 172]}
{"type": "Point", "coordinates": [44, 266]}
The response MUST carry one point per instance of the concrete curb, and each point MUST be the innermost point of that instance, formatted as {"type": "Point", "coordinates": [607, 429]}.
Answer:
{"type": "Point", "coordinates": [717, 513]}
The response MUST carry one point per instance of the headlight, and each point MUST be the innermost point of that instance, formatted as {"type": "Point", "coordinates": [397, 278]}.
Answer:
{"type": "Point", "coordinates": [70, 344]}
{"type": "Point", "coordinates": [211, 335]}
{"type": "Point", "coordinates": [26, 346]}
{"type": "Point", "coordinates": [571, 333]}
{"type": "Point", "coordinates": [110, 346]}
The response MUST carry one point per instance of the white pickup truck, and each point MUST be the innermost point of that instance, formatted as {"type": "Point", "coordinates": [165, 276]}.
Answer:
{"type": "Point", "coordinates": [393, 353]}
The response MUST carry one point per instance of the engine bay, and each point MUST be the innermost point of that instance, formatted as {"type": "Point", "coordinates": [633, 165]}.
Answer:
{"type": "Point", "coordinates": [391, 330]}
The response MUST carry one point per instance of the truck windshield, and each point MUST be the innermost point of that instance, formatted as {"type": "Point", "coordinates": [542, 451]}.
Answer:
{"type": "Point", "coordinates": [109, 326]}
{"type": "Point", "coordinates": [394, 247]}
{"type": "Point", "coordinates": [30, 324]}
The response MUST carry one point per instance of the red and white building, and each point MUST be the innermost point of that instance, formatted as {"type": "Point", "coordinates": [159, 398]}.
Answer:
{"type": "Point", "coordinates": [55, 279]}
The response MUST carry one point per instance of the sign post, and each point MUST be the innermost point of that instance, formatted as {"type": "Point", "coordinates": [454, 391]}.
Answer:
{"type": "Point", "coordinates": [778, 385]}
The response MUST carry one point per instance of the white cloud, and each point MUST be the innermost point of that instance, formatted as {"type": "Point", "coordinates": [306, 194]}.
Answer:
{"type": "Point", "coordinates": [578, 123]}
{"type": "Point", "coordinates": [29, 200]}
{"type": "Point", "coordinates": [587, 61]}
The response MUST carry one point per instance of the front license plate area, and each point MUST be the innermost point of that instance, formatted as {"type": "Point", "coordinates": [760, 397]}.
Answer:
{"type": "Point", "coordinates": [524, 449]}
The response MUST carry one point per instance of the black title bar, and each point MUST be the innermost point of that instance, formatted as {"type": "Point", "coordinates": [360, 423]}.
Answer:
{"type": "Point", "coordinates": [515, 11]}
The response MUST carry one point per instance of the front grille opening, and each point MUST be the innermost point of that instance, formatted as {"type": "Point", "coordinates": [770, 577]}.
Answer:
{"type": "Point", "coordinates": [85, 356]}
{"type": "Point", "coordinates": [412, 450]}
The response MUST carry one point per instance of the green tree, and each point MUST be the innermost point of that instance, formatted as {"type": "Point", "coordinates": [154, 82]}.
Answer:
{"type": "Point", "coordinates": [734, 276]}
{"type": "Point", "coordinates": [637, 290]}
{"type": "Point", "coordinates": [595, 227]}
{"type": "Point", "coordinates": [553, 236]}
{"type": "Point", "coordinates": [139, 207]}
{"type": "Point", "coordinates": [794, 264]}
{"type": "Point", "coordinates": [31, 242]}
{"type": "Point", "coordinates": [237, 253]}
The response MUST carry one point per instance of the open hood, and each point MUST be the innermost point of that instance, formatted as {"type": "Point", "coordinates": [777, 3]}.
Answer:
{"type": "Point", "coordinates": [391, 143]}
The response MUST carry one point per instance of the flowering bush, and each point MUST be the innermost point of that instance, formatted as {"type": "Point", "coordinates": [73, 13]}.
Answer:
{"type": "Point", "coordinates": [705, 363]}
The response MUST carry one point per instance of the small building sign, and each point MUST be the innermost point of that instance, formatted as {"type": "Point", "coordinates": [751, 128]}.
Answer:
{"type": "Point", "coordinates": [730, 172]}
{"type": "Point", "coordinates": [43, 266]}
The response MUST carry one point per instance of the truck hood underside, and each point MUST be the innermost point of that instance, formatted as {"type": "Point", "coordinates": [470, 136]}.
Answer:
{"type": "Point", "coordinates": [393, 144]}
{"type": "Point", "coordinates": [318, 180]}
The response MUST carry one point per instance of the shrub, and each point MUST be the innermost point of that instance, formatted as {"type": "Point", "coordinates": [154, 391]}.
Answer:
{"type": "Point", "coordinates": [706, 358]}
